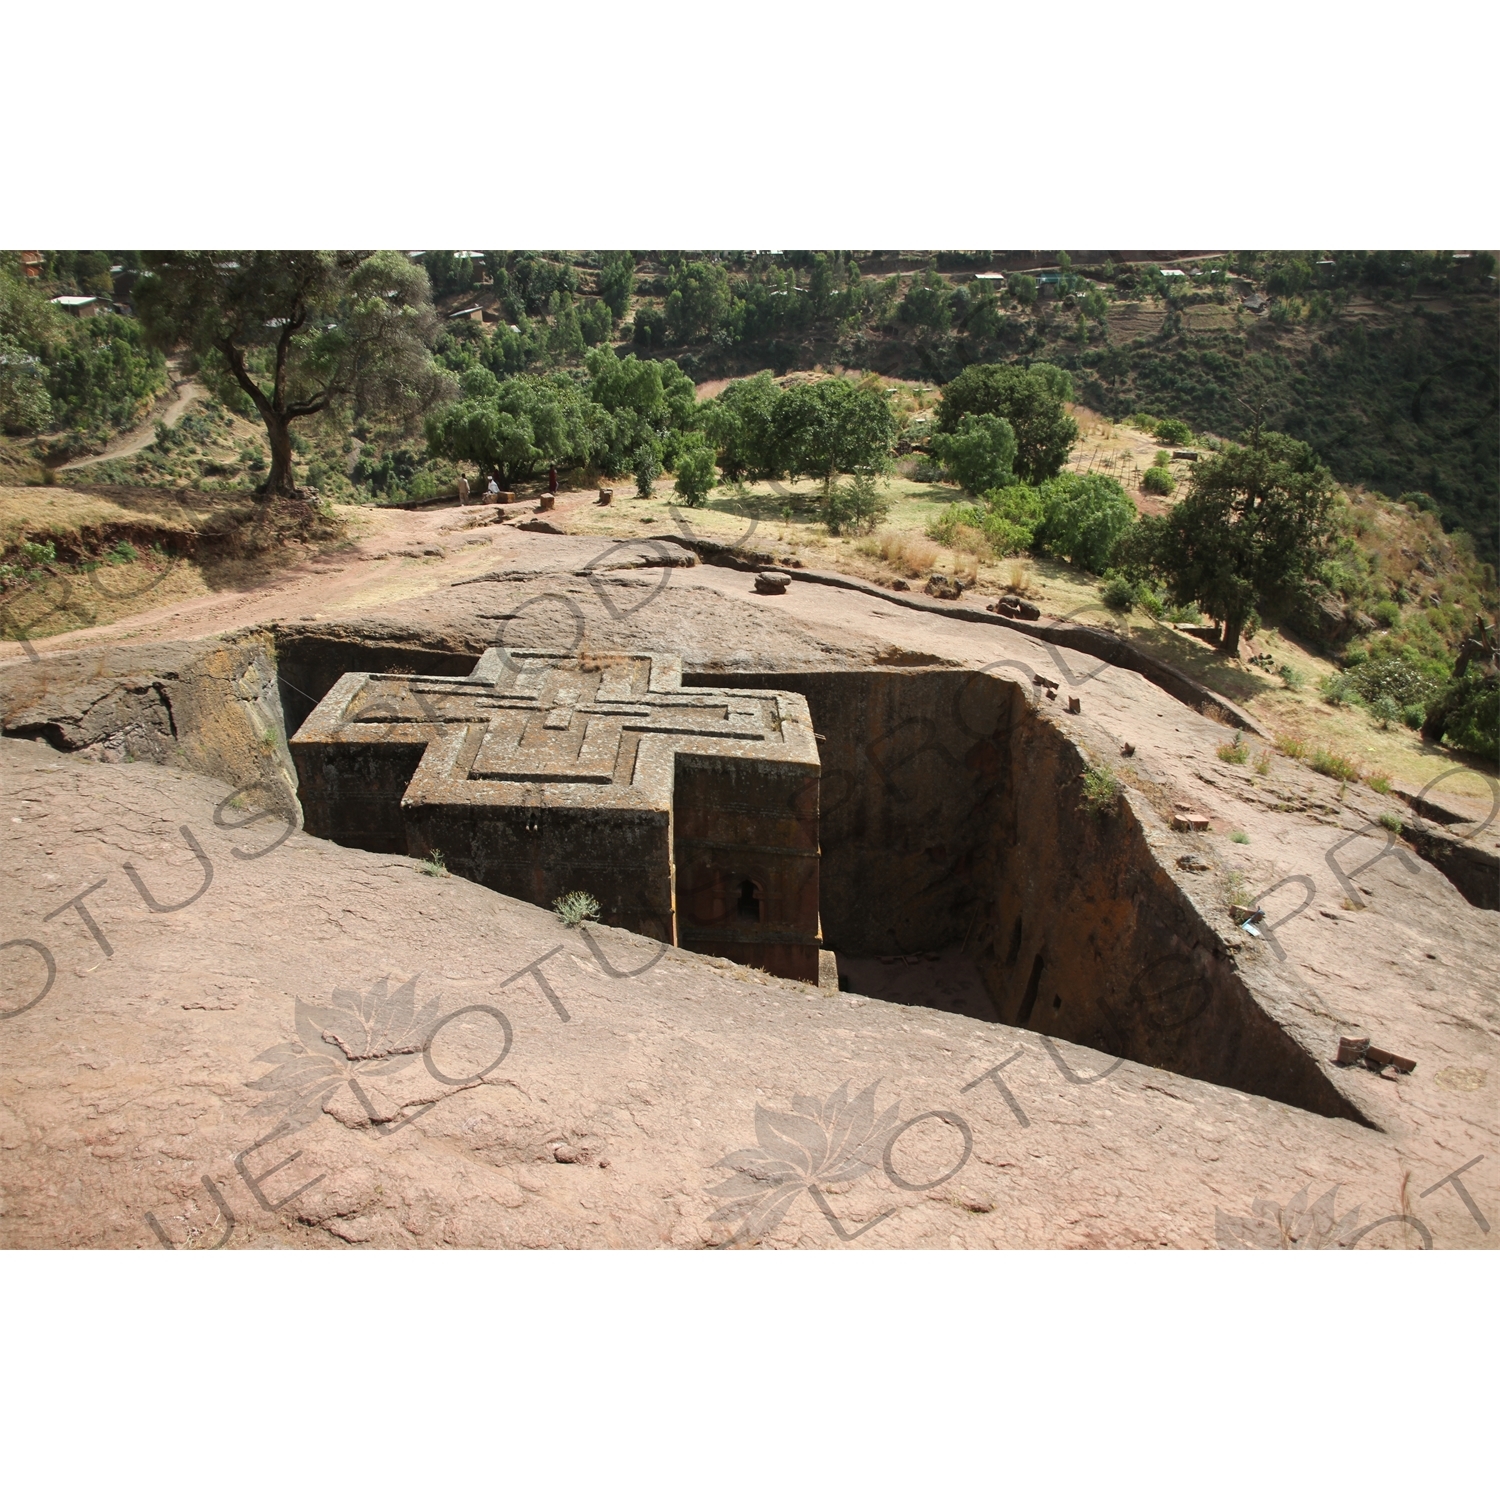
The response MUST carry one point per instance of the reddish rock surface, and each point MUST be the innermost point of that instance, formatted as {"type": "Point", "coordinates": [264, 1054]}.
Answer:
{"type": "Point", "coordinates": [319, 1045]}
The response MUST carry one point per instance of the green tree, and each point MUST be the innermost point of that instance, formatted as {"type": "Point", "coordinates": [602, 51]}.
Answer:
{"type": "Point", "coordinates": [617, 281]}
{"type": "Point", "coordinates": [298, 332]}
{"type": "Point", "coordinates": [698, 300]}
{"type": "Point", "coordinates": [926, 304]}
{"type": "Point", "coordinates": [984, 320]}
{"type": "Point", "coordinates": [24, 403]}
{"type": "Point", "coordinates": [827, 427]}
{"type": "Point", "coordinates": [1012, 517]}
{"type": "Point", "coordinates": [511, 428]}
{"type": "Point", "coordinates": [1030, 400]}
{"type": "Point", "coordinates": [696, 475]}
{"type": "Point", "coordinates": [980, 454]}
{"type": "Point", "coordinates": [1085, 516]}
{"type": "Point", "coordinates": [858, 506]}
{"type": "Point", "coordinates": [645, 400]}
{"type": "Point", "coordinates": [1251, 535]}
{"type": "Point", "coordinates": [646, 462]}
{"type": "Point", "coordinates": [742, 423]}
{"type": "Point", "coordinates": [594, 322]}
{"type": "Point", "coordinates": [1023, 289]}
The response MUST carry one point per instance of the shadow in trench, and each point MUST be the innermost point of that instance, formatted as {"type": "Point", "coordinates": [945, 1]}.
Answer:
{"type": "Point", "coordinates": [945, 979]}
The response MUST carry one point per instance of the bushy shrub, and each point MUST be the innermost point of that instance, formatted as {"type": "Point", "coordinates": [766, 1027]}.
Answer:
{"type": "Point", "coordinates": [647, 468]}
{"type": "Point", "coordinates": [952, 519]}
{"type": "Point", "coordinates": [1386, 613]}
{"type": "Point", "coordinates": [1011, 518]}
{"type": "Point", "coordinates": [1394, 678]}
{"type": "Point", "coordinates": [1292, 676]}
{"type": "Point", "coordinates": [1118, 592]}
{"type": "Point", "coordinates": [1184, 614]}
{"type": "Point", "coordinates": [696, 474]}
{"type": "Point", "coordinates": [1158, 480]}
{"type": "Point", "coordinates": [858, 505]}
{"type": "Point", "coordinates": [1085, 517]}
{"type": "Point", "coordinates": [1470, 714]}
{"type": "Point", "coordinates": [1384, 709]}
{"type": "Point", "coordinates": [979, 454]}
{"type": "Point", "coordinates": [25, 405]}
{"type": "Point", "coordinates": [1170, 430]}
{"type": "Point", "coordinates": [1330, 763]}
{"type": "Point", "coordinates": [576, 907]}
{"type": "Point", "coordinates": [1101, 789]}
{"type": "Point", "coordinates": [1339, 690]}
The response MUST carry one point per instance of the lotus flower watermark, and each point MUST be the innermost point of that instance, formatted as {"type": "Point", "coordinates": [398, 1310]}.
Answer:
{"type": "Point", "coordinates": [1300, 1226]}
{"type": "Point", "coordinates": [816, 1144]}
{"type": "Point", "coordinates": [356, 1036]}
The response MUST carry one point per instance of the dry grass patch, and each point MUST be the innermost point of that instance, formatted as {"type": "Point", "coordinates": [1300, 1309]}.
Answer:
{"type": "Point", "coordinates": [905, 552]}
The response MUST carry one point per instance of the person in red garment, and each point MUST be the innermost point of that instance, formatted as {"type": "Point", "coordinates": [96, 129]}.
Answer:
{"type": "Point", "coordinates": [552, 480]}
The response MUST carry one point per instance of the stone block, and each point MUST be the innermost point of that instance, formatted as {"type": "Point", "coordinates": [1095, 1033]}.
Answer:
{"type": "Point", "coordinates": [1351, 1050]}
{"type": "Point", "coordinates": [771, 582]}
{"type": "Point", "coordinates": [690, 816]}
{"type": "Point", "coordinates": [1185, 822]}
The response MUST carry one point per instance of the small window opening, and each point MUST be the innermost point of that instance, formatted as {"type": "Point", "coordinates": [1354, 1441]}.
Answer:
{"type": "Point", "coordinates": [749, 904]}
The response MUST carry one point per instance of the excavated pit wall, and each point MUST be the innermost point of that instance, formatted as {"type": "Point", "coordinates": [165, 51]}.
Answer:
{"type": "Point", "coordinates": [951, 815]}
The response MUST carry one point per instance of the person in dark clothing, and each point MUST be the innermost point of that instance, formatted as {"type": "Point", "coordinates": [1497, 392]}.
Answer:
{"type": "Point", "coordinates": [552, 480]}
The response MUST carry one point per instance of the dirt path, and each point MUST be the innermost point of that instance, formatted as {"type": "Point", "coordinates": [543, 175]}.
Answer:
{"type": "Point", "coordinates": [184, 393]}
{"type": "Point", "coordinates": [389, 555]}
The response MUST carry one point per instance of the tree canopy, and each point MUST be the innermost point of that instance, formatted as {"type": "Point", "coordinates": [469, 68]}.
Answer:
{"type": "Point", "coordinates": [1031, 400]}
{"type": "Point", "coordinates": [1084, 518]}
{"type": "Point", "coordinates": [298, 332]}
{"type": "Point", "coordinates": [647, 401]}
{"type": "Point", "coordinates": [979, 454]}
{"type": "Point", "coordinates": [816, 428]}
{"type": "Point", "coordinates": [60, 372]}
{"type": "Point", "coordinates": [1250, 535]}
{"type": "Point", "coordinates": [511, 428]}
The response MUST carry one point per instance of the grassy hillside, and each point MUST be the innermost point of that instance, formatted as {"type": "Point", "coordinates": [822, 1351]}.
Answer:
{"type": "Point", "coordinates": [1387, 363]}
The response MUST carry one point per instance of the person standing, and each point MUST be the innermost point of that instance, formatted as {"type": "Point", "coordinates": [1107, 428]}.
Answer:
{"type": "Point", "coordinates": [463, 490]}
{"type": "Point", "coordinates": [552, 479]}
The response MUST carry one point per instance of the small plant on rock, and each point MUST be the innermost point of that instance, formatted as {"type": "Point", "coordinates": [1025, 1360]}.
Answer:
{"type": "Point", "coordinates": [576, 907]}
{"type": "Point", "coordinates": [1101, 789]}
{"type": "Point", "coordinates": [435, 865]}
{"type": "Point", "coordinates": [1235, 751]}
{"type": "Point", "coordinates": [1391, 820]}
{"type": "Point", "coordinates": [1239, 836]}
{"type": "Point", "coordinates": [1331, 763]}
